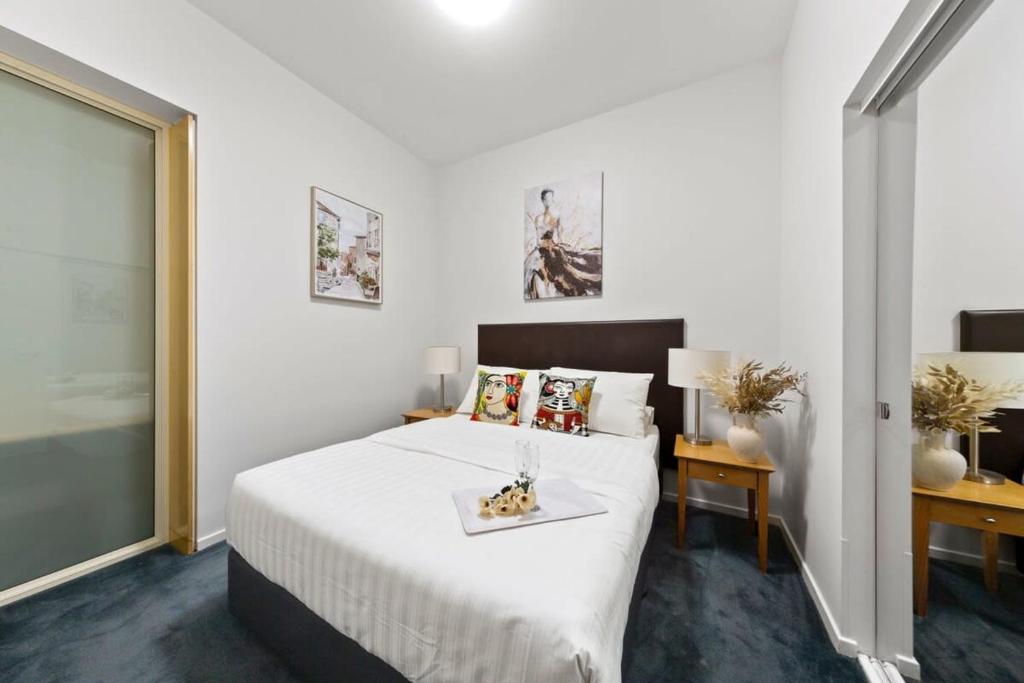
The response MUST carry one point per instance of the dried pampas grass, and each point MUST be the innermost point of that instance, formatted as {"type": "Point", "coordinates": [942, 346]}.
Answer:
{"type": "Point", "coordinates": [750, 389]}
{"type": "Point", "coordinates": [944, 399]}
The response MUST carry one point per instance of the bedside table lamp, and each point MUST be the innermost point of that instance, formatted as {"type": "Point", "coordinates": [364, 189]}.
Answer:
{"type": "Point", "coordinates": [684, 366]}
{"type": "Point", "coordinates": [986, 368]}
{"type": "Point", "coordinates": [442, 360]}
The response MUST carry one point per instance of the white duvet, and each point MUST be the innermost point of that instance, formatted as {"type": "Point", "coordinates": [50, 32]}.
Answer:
{"type": "Point", "coordinates": [365, 534]}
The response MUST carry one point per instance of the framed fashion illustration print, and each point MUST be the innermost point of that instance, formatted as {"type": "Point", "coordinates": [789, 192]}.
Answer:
{"type": "Point", "coordinates": [563, 238]}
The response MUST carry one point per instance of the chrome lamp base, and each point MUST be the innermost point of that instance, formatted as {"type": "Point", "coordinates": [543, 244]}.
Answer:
{"type": "Point", "coordinates": [696, 438]}
{"type": "Point", "coordinates": [444, 409]}
{"type": "Point", "coordinates": [985, 477]}
{"type": "Point", "coordinates": [975, 473]}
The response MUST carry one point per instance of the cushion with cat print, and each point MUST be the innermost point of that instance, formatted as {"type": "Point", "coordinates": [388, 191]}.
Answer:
{"type": "Point", "coordinates": [564, 404]}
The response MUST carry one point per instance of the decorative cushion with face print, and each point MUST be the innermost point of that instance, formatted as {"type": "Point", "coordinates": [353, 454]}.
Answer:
{"type": "Point", "coordinates": [497, 397]}
{"type": "Point", "coordinates": [564, 404]}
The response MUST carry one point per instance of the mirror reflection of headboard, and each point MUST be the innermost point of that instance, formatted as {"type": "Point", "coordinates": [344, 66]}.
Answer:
{"type": "Point", "coordinates": [617, 346]}
{"type": "Point", "coordinates": [1000, 331]}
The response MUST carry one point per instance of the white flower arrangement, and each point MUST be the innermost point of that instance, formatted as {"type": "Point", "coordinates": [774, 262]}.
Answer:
{"type": "Point", "coordinates": [515, 499]}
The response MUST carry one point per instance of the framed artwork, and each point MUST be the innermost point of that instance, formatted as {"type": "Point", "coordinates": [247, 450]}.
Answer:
{"type": "Point", "coordinates": [563, 238]}
{"type": "Point", "coordinates": [347, 249]}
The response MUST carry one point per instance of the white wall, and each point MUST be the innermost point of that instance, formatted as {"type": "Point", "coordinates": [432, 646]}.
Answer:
{"type": "Point", "coordinates": [968, 236]}
{"type": "Point", "coordinates": [278, 373]}
{"type": "Point", "coordinates": [830, 46]}
{"type": "Point", "coordinates": [691, 221]}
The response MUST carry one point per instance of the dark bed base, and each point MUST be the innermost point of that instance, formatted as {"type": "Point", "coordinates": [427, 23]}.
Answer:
{"type": "Point", "coordinates": [319, 652]}
{"type": "Point", "coordinates": [311, 646]}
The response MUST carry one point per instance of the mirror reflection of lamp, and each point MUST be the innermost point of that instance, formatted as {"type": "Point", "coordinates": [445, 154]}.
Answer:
{"type": "Point", "coordinates": [987, 369]}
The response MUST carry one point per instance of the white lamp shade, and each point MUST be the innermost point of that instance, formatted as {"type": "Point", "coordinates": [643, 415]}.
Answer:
{"type": "Point", "coordinates": [983, 367]}
{"type": "Point", "coordinates": [684, 366]}
{"type": "Point", "coordinates": [442, 360]}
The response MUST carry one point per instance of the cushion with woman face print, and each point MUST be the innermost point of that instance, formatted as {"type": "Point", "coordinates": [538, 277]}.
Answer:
{"type": "Point", "coordinates": [497, 397]}
{"type": "Point", "coordinates": [527, 397]}
{"type": "Point", "coordinates": [564, 404]}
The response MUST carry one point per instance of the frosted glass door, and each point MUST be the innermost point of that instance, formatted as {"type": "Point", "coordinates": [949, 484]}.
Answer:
{"type": "Point", "coordinates": [77, 192]}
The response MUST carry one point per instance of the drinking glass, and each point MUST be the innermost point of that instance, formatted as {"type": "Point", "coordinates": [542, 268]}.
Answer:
{"type": "Point", "coordinates": [527, 462]}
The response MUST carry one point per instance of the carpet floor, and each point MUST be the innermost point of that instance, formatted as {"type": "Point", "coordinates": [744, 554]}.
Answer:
{"type": "Point", "coordinates": [708, 616]}
{"type": "Point", "coordinates": [969, 633]}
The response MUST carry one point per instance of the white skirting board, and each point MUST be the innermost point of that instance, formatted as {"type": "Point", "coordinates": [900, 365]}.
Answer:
{"type": "Point", "coordinates": [877, 671]}
{"type": "Point", "coordinates": [968, 558]}
{"type": "Point", "coordinates": [843, 645]}
{"type": "Point", "coordinates": [211, 539]}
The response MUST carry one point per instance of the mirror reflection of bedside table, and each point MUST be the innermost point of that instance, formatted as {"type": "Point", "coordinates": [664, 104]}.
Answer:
{"type": "Point", "coordinates": [993, 510]}
{"type": "Point", "coordinates": [420, 414]}
{"type": "Point", "coordinates": [717, 463]}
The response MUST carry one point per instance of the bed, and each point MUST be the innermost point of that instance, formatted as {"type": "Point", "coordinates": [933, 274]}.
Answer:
{"type": "Point", "coordinates": [351, 562]}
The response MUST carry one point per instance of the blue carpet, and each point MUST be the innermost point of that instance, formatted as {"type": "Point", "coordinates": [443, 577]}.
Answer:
{"type": "Point", "coordinates": [969, 633]}
{"type": "Point", "coordinates": [709, 615]}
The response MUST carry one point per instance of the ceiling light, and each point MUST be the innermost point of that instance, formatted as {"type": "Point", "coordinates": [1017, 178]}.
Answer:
{"type": "Point", "coordinates": [474, 12]}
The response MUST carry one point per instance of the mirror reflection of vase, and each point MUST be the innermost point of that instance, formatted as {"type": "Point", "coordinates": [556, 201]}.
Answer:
{"type": "Point", "coordinates": [934, 465]}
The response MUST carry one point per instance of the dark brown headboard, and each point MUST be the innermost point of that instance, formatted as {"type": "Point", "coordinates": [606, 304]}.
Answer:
{"type": "Point", "coordinates": [615, 346]}
{"type": "Point", "coordinates": [1001, 331]}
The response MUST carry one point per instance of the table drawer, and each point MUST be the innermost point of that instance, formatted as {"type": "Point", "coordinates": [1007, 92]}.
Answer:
{"type": "Point", "coordinates": [978, 517]}
{"type": "Point", "coordinates": [723, 474]}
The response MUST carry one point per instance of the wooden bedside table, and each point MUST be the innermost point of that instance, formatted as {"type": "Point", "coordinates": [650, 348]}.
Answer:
{"type": "Point", "coordinates": [993, 510]}
{"type": "Point", "coordinates": [719, 464]}
{"type": "Point", "coordinates": [421, 414]}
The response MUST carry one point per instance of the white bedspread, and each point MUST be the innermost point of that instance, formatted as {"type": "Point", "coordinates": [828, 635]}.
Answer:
{"type": "Point", "coordinates": [366, 535]}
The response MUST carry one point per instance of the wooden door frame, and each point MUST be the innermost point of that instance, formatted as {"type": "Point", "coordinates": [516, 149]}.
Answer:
{"type": "Point", "coordinates": [181, 351]}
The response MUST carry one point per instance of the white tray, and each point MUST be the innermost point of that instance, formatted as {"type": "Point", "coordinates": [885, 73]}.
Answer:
{"type": "Point", "coordinates": [556, 498]}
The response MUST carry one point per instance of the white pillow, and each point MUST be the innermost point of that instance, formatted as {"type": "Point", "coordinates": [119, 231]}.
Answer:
{"type": "Point", "coordinates": [527, 397]}
{"type": "Point", "coordinates": [619, 402]}
{"type": "Point", "coordinates": [648, 416]}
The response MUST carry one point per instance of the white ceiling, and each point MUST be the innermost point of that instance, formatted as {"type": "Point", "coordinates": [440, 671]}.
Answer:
{"type": "Point", "coordinates": [446, 91]}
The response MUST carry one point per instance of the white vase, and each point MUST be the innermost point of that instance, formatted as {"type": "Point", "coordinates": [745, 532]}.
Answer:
{"type": "Point", "coordinates": [935, 466]}
{"type": "Point", "coordinates": [744, 438]}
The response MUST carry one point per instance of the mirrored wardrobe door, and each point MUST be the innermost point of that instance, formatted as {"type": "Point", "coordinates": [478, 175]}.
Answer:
{"type": "Point", "coordinates": [952, 263]}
